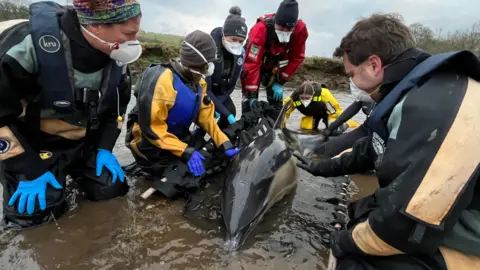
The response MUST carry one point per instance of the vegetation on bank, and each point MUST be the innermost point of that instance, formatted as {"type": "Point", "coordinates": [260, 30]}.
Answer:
{"type": "Point", "coordinates": [325, 70]}
{"type": "Point", "coordinates": [162, 47]}
{"type": "Point", "coordinates": [150, 37]}
{"type": "Point", "coordinates": [13, 9]}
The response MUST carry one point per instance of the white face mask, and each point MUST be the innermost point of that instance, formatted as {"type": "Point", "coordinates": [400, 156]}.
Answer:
{"type": "Point", "coordinates": [306, 96]}
{"type": "Point", "coordinates": [283, 36]}
{"type": "Point", "coordinates": [306, 102]}
{"type": "Point", "coordinates": [359, 94]}
{"type": "Point", "coordinates": [125, 53]}
{"type": "Point", "coordinates": [211, 66]}
{"type": "Point", "coordinates": [234, 48]}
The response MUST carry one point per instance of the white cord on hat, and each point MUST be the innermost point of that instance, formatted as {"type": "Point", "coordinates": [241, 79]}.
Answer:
{"type": "Point", "coordinates": [197, 51]}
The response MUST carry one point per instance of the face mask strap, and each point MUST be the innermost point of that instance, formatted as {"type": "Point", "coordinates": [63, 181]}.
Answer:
{"type": "Point", "coordinates": [113, 45]}
{"type": "Point", "coordinates": [375, 91]}
{"type": "Point", "coordinates": [197, 51]}
{"type": "Point", "coordinates": [193, 71]}
{"type": "Point", "coordinates": [309, 83]}
{"type": "Point", "coordinates": [313, 89]}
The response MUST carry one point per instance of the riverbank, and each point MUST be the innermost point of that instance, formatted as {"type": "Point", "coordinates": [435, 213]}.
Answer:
{"type": "Point", "coordinates": [324, 70]}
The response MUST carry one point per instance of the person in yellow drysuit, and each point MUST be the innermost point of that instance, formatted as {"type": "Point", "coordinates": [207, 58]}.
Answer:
{"type": "Point", "coordinates": [316, 102]}
{"type": "Point", "coordinates": [170, 97]}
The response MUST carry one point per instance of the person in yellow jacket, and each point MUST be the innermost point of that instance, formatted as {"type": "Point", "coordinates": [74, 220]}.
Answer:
{"type": "Point", "coordinates": [170, 97]}
{"type": "Point", "coordinates": [316, 102]}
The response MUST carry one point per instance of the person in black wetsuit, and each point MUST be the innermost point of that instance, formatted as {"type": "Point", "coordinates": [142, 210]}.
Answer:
{"type": "Point", "coordinates": [64, 89]}
{"type": "Point", "coordinates": [228, 65]}
{"type": "Point", "coordinates": [423, 144]}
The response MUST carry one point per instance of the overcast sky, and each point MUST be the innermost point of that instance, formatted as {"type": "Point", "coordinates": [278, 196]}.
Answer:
{"type": "Point", "coordinates": [327, 20]}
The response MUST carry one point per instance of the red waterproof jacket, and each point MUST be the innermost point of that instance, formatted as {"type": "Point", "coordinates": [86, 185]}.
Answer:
{"type": "Point", "coordinates": [264, 52]}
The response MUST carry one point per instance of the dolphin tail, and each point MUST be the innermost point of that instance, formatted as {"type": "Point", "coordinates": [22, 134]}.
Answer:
{"type": "Point", "coordinates": [280, 123]}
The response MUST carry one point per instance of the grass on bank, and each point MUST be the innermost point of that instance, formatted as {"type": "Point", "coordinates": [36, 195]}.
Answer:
{"type": "Point", "coordinates": [150, 37]}
{"type": "Point", "coordinates": [325, 70]}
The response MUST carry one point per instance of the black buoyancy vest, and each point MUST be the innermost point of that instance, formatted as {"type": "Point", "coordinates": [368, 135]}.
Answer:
{"type": "Point", "coordinates": [220, 85]}
{"type": "Point", "coordinates": [381, 112]}
{"type": "Point", "coordinates": [55, 69]}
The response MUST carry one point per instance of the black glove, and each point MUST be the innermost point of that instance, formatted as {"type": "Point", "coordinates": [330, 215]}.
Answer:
{"type": "Point", "coordinates": [316, 168]}
{"type": "Point", "coordinates": [327, 133]}
{"type": "Point", "coordinates": [342, 244]}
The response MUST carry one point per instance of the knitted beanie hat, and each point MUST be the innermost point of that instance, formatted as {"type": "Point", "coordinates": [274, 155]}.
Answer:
{"type": "Point", "coordinates": [105, 11]}
{"type": "Point", "coordinates": [287, 14]}
{"type": "Point", "coordinates": [234, 24]}
{"type": "Point", "coordinates": [203, 43]}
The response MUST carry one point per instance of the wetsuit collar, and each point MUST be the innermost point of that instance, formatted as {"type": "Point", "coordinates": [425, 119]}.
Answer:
{"type": "Point", "coordinates": [400, 67]}
{"type": "Point", "coordinates": [85, 58]}
{"type": "Point", "coordinates": [184, 75]}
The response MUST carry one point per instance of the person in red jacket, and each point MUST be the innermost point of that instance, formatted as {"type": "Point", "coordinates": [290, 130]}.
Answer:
{"type": "Point", "coordinates": [275, 50]}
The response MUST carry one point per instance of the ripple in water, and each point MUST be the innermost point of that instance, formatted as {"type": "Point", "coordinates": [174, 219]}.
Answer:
{"type": "Point", "coordinates": [131, 233]}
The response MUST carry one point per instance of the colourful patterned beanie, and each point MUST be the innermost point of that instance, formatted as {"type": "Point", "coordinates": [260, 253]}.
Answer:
{"type": "Point", "coordinates": [105, 11]}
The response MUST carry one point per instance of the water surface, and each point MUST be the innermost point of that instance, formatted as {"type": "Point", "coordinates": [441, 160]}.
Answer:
{"type": "Point", "coordinates": [132, 233]}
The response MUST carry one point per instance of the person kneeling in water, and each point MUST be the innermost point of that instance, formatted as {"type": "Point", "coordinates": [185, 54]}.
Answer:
{"type": "Point", "coordinates": [316, 103]}
{"type": "Point", "coordinates": [170, 97]}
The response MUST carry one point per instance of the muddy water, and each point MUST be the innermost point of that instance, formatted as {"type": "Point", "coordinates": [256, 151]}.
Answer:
{"type": "Point", "coordinates": [131, 233]}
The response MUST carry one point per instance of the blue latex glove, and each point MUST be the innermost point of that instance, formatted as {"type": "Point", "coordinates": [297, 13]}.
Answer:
{"type": "Point", "coordinates": [232, 152]}
{"type": "Point", "coordinates": [29, 190]}
{"type": "Point", "coordinates": [106, 159]}
{"type": "Point", "coordinates": [216, 115]}
{"type": "Point", "coordinates": [277, 92]}
{"type": "Point", "coordinates": [195, 164]}
{"type": "Point", "coordinates": [231, 119]}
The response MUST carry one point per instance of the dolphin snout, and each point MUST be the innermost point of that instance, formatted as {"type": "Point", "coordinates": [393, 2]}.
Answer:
{"type": "Point", "coordinates": [234, 242]}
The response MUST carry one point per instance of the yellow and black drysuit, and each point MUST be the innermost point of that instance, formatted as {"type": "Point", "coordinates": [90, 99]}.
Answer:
{"type": "Point", "coordinates": [323, 107]}
{"type": "Point", "coordinates": [424, 145]}
{"type": "Point", "coordinates": [51, 116]}
{"type": "Point", "coordinates": [167, 104]}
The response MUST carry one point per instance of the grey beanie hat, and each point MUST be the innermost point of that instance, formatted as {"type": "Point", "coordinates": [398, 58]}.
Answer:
{"type": "Point", "coordinates": [204, 43]}
{"type": "Point", "coordinates": [234, 24]}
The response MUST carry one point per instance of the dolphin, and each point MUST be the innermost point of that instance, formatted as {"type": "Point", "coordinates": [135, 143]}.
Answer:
{"type": "Point", "coordinates": [262, 174]}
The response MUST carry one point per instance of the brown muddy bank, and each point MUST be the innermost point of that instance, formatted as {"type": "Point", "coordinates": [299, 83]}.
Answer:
{"type": "Point", "coordinates": [324, 70]}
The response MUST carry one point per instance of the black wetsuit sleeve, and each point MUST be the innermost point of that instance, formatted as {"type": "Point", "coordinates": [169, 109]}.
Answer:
{"type": "Point", "coordinates": [219, 107]}
{"type": "Point", "coordinates": [359, 160]}
{"type": "Point", "coordinates": [346, 115]}
{"type": "Point", "coordinates": [110, 126]}
{"type": "Point", "coordinates": [18, 85]}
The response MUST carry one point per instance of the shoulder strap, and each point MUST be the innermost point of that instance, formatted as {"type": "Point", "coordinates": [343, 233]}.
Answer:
{"type": "Point", "coordinates": [148, 78]}
{"type": "Point", "coordinates": [50, 51]}
{"type": "Point", "coordinates": [270, 23]}
{"type": "Point", "coordinates": [317, 93]}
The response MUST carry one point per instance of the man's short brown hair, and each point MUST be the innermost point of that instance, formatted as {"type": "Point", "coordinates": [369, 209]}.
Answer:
{"type": "Point", "coordinates": [384, 35]}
